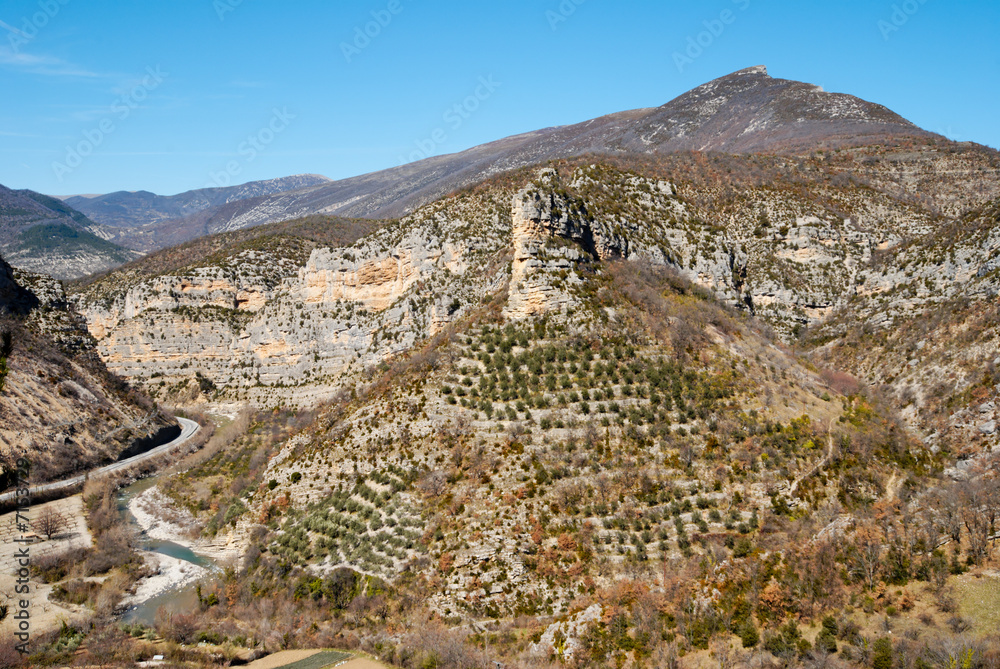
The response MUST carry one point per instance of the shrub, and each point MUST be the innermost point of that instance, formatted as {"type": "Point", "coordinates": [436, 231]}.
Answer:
{"type": "Point", "coordinates": [749, 635]}
{"type": "Point", "coordinates": [882, 654]}
{"type": "Point", "coordinates": [743, 547]}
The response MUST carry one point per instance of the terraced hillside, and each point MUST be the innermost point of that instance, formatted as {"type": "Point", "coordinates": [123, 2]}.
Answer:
{"type": "Point", "coordinates": [601, 412]}
{"type": "Point", "coordinates": [629, 471]}
{"type": "Point", "coordinates": [792, 241]}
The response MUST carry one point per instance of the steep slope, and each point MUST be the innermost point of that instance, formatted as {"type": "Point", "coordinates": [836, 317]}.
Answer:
{"type": "Point", "coordinates": [745, 112]}
{"type": "Point", "coordinates": [131, 219]}
{"type": "Point", "coordinates": [596, 463]}
{"type": "Point", "coordinates": [925, 327]}
{"type": "Point", "coordinates": [42, 234]}
{"type": "Point", "coordinates": [60, 406]}
{"type": "Point", "coordinates": [792, 250]}
{"type": "Point", "coordinates": [750, 112]}
{"type": "Point", "coordinates": [555, 425]}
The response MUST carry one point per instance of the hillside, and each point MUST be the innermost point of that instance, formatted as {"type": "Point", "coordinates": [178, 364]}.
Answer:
{"type": "Point", "coordinates": [269, 325]}
{"type": "Point", "coordinates": [610, 402]}
{"type": "Point", "coordinates": [60, 406]}
{"type": "Point", "coordinates": [572, 453]}
{"type": "Point", "coordinates": [42, 234]}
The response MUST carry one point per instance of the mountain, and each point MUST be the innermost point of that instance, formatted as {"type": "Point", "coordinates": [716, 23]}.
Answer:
{"type": "Point", "coordinates": [132, 219]}
{"type": "Point", "coordinates": [59, 405]}
{"type": "Point", "coordinates": [600, 410]}
{"type": "Point", "coordinates": [625, 408]}
{"type": "Point", "coordinates": [745, 112]}
{"type": "Point", "coordinates": [794, 241]}
{"type": "Point", "coordinates": [45, 235]}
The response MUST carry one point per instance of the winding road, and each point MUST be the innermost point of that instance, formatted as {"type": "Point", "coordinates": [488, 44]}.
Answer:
{"type": "Point", "coordinates": [189, 428]}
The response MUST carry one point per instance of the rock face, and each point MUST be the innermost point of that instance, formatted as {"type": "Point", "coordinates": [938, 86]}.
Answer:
{"type": "Point", "coordinates": [541, 268]}
{"type": "Point", "coordinates": [246, 290]}
{"type": "Point", "coordinates": [375, 284]}
{"type": "Point", "coordinates": [14, 299]}
{"type": "Point", "coordinates": [267, 328]}
{"type": "Point", "coordinates": [297, 333]}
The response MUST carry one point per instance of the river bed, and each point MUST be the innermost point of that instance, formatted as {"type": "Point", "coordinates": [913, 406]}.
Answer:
{"type": "Point", "coordinates": [180, 567]}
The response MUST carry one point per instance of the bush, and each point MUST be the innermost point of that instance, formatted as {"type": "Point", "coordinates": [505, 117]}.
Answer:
{"type": "Point", "coordinates": [749, 635]}
{"type": "Point", "coordinates": [54, 568]}
{"type": "Point", "coordinates": [76, 592]}
{"type": "Point", "coordinates": [882, 655]}
{"type": "Point", "coordinates": [827, 641]}
{"type": "Point", "coordinates": [743, 547]}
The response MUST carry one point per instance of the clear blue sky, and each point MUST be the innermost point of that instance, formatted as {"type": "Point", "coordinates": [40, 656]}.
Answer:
{"type": "Point", "coordinates": [72, 69]}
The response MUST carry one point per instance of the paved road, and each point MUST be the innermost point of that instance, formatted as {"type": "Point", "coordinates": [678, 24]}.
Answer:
{"type": "Point", "coordinates": [189, 428]}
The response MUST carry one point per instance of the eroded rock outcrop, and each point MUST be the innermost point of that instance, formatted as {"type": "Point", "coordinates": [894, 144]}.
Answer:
{"type": "Point", "coordinates": [300, 335]}
{"type": "Point", "coordinates": [271, 328]}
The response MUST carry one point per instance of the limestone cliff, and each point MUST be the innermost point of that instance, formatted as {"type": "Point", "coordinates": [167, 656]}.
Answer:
{"type": "Point", "coordinates": [301, 332]}
{"type": "Point", "coordinates": [269, 328]}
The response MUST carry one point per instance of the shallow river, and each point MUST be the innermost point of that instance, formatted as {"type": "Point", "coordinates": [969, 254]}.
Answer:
{"type": "Point", "coordinates": [179, 600]}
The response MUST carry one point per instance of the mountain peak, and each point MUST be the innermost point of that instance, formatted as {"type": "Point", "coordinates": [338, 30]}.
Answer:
{"type": "Point", "coordinates": [747, 111]}
{"type": "Point", "coordinates": [756, 69]}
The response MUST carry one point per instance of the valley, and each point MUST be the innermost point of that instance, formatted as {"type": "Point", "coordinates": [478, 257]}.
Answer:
{"type": "Point", "coordinates": [710, 384]}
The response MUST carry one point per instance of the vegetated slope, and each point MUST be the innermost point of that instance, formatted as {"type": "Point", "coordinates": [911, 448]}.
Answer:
{"type": "Point", "coordinates": [127, 217]}
{"type": "Point", "coordinates": [932, 342]}
{"type": "Point", "coordinates": [612, 468]}
{"type": "Point", "coordinates": [44, 235]}
{"type": "Point", "coordinates": [60, 407]}
{"type": "Point", "coordinates": [793, 240]}
{"type": "Point", "coordinates": [745, 112]}
{"type": "Point", "coordinates": [561, 423]}
{"type": "Point", "coordinates": [303, 235]}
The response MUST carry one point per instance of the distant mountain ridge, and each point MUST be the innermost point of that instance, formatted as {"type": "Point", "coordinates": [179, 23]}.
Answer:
{"type": "Point", "coordinates": [127, 217]}
{"type": "Point", "coordinates": [744, 112]}
{"type": "Point", "coordinates": [44, 235]}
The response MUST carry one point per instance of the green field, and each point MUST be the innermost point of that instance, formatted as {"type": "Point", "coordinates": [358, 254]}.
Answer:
{"type": "Point", "coordinates": [322, 660]}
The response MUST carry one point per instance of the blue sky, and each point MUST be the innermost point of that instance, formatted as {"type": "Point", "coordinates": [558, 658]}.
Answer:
{"type": "Point", "coordinates": [170, 96]}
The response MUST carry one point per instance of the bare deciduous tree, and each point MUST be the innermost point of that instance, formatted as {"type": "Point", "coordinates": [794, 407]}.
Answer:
{"type": "Point", "coordinates": [50, 522]}
{"type": "Point", "coordinates": [434, 483]}
{"type": "Point", "coordinates": [866, 554]}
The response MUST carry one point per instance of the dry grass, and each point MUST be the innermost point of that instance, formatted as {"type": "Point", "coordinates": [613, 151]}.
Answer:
{"type": "Point", "coordinates": [979, 601]}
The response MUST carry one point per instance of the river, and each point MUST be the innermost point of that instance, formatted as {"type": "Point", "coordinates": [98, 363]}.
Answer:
{"type": "Point", "coordinates": [176, 599]}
